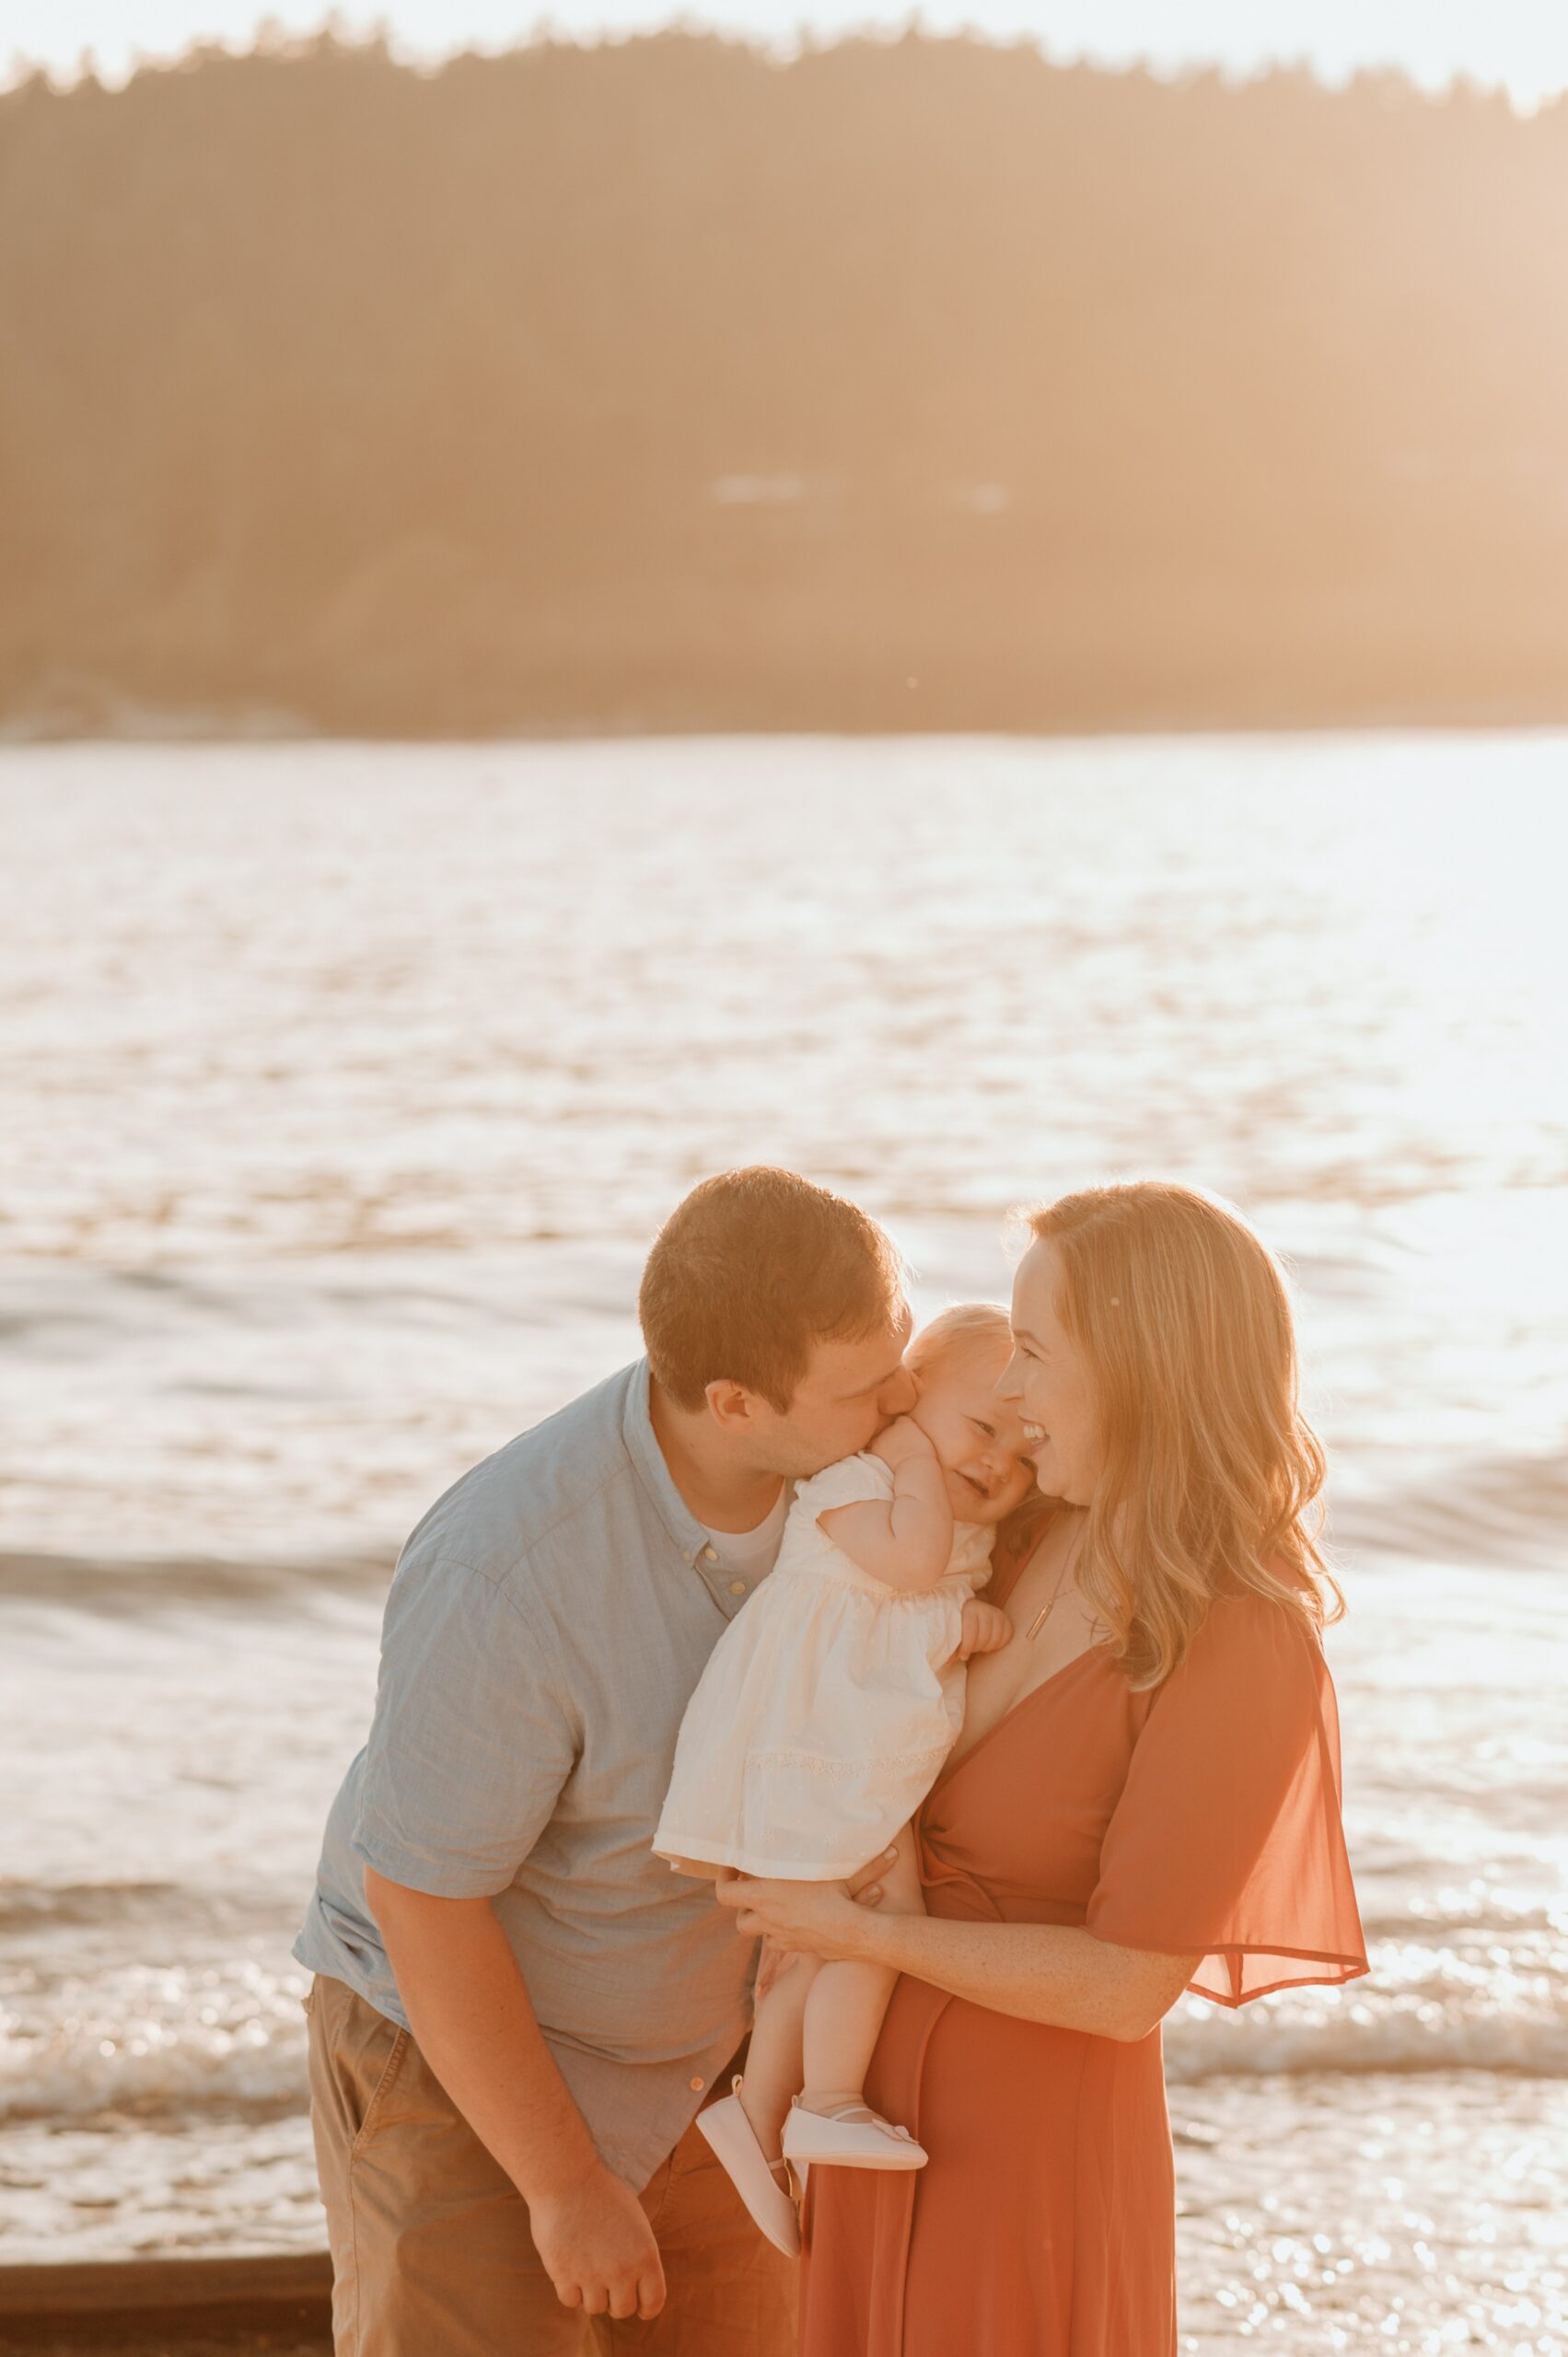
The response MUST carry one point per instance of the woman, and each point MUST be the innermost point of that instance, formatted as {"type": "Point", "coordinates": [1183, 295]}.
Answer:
{"type": "Point", "coordinates": [1144, 1799]}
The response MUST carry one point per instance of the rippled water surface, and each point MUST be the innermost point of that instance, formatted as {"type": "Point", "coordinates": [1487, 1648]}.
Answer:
{"type": "Point", "coordinates": [342, 1089]}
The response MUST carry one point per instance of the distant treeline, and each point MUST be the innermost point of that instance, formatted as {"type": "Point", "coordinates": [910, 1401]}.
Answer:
{"type": "Point", "coordinates": [917, 383]}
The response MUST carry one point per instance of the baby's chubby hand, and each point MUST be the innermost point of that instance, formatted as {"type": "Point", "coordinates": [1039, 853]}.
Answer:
{"type": "Point", "coordinates": [986, 1629]}
{"type": "Point", "coordinates": [902, 1444]}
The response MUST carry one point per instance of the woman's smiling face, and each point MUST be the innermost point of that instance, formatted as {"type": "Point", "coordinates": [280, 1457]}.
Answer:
{"type": "Point", "coordinates": [1047, 1377]}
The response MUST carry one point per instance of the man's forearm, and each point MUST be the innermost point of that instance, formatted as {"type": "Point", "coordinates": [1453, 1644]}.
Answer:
{"type": "Point", "coordinates": [470, 2010]}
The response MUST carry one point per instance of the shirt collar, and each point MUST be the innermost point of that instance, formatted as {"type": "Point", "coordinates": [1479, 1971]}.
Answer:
{"type": "Point", "coordinates": [727, 1589]}
{"type": "Point", "coordinates": [642, 1446]}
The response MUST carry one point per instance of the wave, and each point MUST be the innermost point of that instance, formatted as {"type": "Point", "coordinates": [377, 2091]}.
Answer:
{"type": "Point", "coordinates": [1475, 2001]}
{"type": "Point", "coordinates": [28, 1905]}
{"type": "Point", "coordinates": [229, 2040]}
{"type": "Point", "coordinates": [258, 2070]}
{"type": "Point", "coordinates": [1369, 2037]}
{"type": "Point", "coordinates": [227, 2076]}
{"type": "Point", "coordinates": [108, 1585]}
{"type": "Point", "coordinates": [29, 1908]}
{"type": "Point", "coordinates": [143, 2043]}
{"type": "Point", "coordinates": [1503, 1509]}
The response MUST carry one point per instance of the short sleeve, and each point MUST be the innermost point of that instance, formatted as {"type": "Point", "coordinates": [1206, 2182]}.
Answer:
{"type": "Point", "coordinates": [1227, 1837]}
{"type": "Point", "coordinates": [848, 1483]}
{"type": "Point", "coordinates": [471, 1739]}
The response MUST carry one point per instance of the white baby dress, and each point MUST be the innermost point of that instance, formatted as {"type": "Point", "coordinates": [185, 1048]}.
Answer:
{"type": "Point", "coordinates": [827, 1707]}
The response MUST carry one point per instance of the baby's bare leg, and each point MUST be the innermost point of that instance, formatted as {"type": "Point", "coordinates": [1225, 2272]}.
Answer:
{"type": "Point", "coordinates": [847, 1998]}
{"type": "Point", "coordinates": [773, 2059]}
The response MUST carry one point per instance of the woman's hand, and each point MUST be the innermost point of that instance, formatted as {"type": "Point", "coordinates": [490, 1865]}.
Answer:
{"type": "Point", "coordinates": [986, 1629]}
{"type": "Point", "coordinates": [812, 1918]}
{"type": "Point", "coordinates": [864, 1887]}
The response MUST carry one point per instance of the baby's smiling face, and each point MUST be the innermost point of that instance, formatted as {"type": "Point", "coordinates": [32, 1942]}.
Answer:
{"type": "Point", "coordinates": [979, 1439]}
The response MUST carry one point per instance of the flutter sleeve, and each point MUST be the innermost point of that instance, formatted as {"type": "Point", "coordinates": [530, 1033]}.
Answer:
{"type": "Point", "coordinates": [848, 1483]}
{"type": "Point", "coordinates": [1227, 1837]}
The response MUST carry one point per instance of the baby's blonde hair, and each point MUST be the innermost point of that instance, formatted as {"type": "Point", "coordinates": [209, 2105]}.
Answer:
{"type": "Point", "coordinates": [960, 1333]}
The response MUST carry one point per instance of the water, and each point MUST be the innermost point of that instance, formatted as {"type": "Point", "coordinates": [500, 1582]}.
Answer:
{"type": "Point", "coordinates": [343, 1087]}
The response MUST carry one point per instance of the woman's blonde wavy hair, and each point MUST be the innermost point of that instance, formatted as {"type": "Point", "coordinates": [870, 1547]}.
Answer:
{"type": "Point", "coordinates": [1211, 1476]}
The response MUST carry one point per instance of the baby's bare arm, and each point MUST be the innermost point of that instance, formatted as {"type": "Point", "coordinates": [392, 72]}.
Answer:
{"type": "Point", "coordinates": [986, 1629]}
{"type": "Point", "coordinates": [905, 1541]}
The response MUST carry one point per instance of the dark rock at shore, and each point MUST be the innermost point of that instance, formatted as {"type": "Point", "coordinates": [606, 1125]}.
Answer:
{"type": "Point", "coordinates": [214, 2307]}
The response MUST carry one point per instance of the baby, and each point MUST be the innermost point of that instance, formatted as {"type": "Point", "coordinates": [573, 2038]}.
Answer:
{"type": "Point", "coordinates": [819, 1724]}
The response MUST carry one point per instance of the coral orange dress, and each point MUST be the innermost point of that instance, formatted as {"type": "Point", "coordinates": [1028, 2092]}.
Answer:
{"type": "Point", "coordinates": [1203, 1815]}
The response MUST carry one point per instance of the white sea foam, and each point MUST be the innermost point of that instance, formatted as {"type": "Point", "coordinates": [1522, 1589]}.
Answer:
{"type": "Point", "coordinates": [1491, 2007]}
{"type": "Point", "coordinates": [227, 2036]}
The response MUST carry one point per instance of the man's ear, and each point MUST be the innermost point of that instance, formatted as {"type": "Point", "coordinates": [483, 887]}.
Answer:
{"type": "Point", "coordinates": [731, 1406]}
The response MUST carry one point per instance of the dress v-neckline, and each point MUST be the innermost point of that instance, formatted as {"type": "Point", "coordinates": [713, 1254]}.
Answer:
{"type": "Point", "coordinates": [952, 1767]}
{"type": "Point", "coordinates": [956, 1766]}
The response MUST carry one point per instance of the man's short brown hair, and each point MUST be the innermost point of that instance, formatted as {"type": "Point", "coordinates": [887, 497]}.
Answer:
{"type": "Point", "coordinates": [750, 1273]}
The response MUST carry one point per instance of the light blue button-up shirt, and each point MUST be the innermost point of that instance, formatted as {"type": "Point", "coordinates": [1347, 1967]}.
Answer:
{"type": "Point", "coordinates": [547, 1623]}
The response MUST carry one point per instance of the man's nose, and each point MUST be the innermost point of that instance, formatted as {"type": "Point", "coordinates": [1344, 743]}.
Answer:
{"type": "Point", "coordinates": [898, 1397]}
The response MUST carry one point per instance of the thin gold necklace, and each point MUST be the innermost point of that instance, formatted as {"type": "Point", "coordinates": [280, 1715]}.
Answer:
{"type": "Point", "coordinates": [1047, 1609]}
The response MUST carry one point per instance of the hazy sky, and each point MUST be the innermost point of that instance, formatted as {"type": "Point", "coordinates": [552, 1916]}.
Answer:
{"type": "Point", "coordinates": [1522, 43]}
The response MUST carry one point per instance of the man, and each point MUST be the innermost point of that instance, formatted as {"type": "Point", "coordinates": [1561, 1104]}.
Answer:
{"type": "Point", "coordinates": [517, 2009]}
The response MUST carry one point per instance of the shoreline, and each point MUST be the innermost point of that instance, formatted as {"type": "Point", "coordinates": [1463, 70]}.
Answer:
{"type": "Point", "coordinates": [178, 730]}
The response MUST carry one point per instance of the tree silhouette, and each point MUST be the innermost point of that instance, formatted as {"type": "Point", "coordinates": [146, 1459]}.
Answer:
{"type": "Point", "coordinates": [662, 385]}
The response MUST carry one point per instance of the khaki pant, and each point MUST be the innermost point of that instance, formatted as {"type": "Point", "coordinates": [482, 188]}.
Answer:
{"type": "Point", "coordinates": [431, 2255]}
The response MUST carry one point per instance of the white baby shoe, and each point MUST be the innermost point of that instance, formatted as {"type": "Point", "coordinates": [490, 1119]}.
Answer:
{"type": "Point", "coordinates": [853, 2137]}
{"type": "Point", "coordinates": [754, 2176]}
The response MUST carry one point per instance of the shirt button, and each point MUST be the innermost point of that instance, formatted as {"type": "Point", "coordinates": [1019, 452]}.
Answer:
{"type": "Point", "coordinates": [737, 1587]}
{"type": "Point", "coordinates": [697, 2085]}
{"type": "Point", "coordinates": [709, 1555]}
